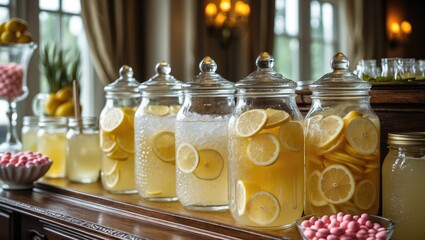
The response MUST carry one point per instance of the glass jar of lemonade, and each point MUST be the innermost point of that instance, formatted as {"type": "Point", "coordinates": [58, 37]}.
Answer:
{"type": "Point", "coordinates": [201, 140]}
{"type": "Point", "coordinates": [341, 145]}
{"type": "Point", "coordinates": [402, 175]}
{"type": "Point", "coordinates": [155, 135]}
{"type": "Point", "coordinates": [83, 151]}
{"type": "Point", "coordinates": [117, 133]}
{"type": "Point", "coordinates": [29, 133]}
{"type": "Point", "coordinates": [266, 148]}
{"type": "Point", "coordinates": [52, 143]}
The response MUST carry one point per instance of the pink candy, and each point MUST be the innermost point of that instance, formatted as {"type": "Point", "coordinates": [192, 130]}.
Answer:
{"type": "Point", "coordinates": [23, 159]}
{"type": "Point", "coordinates": [11, 81]}
{"type": "Point", "coordinates": [343, 226]}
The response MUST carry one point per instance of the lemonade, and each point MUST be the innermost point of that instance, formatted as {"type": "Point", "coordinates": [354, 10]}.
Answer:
{"type": "Point", "coordinates": [29, 133]}
{"type": "Point", "coordinates": [117, 144]}
{"type": "Point", "coordinates": [266, 161]}
{"type": "Point", "coordinates": [54, 146]}
{"type": "Point", "coordinates": [201, 163]}
{"type": "Point", "coordinates": [342, 163]}
{"type": "Point", "coordinates": [155, 152]}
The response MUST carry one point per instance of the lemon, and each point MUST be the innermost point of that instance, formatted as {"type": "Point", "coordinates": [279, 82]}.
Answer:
{"type": "Point", "coordinates": [350, 116]}
{"type": "Point", "coordinates": [342, 157]}
{"type": "Point", "coordinates": [263, 149]}
{"type": "Point", "coordinates": [109, 166]}
{"type": "Point", "coordinates": [365, 194]}
{"type": "Point", "coordinates": [25, 37]}
{"type": "Point", "coordinates": [51, 104]}
{"type": "Point", "coordinates": [107, 142]}
{"type": "Point", "coordinates": [210, 165]}
{"type": "Point", "coordinates": [115, 121]}
{"type": "Point", "coordinates": [64, 94]}
{"type": "Point", "coordinates": [16, 25]}
{"type": "Point", "coordinates": [163, 146]}
{"type": "Point", "coordinates": [117, 154]}
{"type": "Point", "coordinates": [263, 208]}
{"type": "Point", "coordinates": [336, 184]}
{"type": "Point", "coordinates": [362, 135]}
{"type": "Point", "coordinates": [244, 190]}
{"type": "Point", "coordinates": [251, 122]}
{"type": "Point", "coordinates": [111, 179]}
{"type": "Point", "coordinates": [65, 109]}
{"type": "Point", "coordinates": [332, 147]}
{"type": "Point", "coordinates": [8, 37]}
{"type": "Point", "coordinates": [187, 157]}
{"type": "Point", "coordinates": [291, 135]}
{"type": "Point", "coordinates": [276, 117]}
{"type": "Point", "coordinates": [326, 131]}
{"type": "Point", "coordinates": [126, 141]}
{"type": "Point", "coordinates": [315, 196]}
{"type": "Point", "coordinates": [158, 110]}
{"type": "Point", "coordinates": [175, 108]}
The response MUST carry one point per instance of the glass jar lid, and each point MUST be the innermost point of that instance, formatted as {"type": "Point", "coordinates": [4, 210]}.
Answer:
{"type": "Point", "coordinates": [407, 139]}
{"type": "Point", "coordinates": [86, 122]}
{"type": "Point", "coordinates": [340, 82]}
{"type": "Point", "coordinates": [208, 82]}
{"type": "Point", "coordinates": [52, 122]}
{"type": "Point", "coordinates": [162, 83]}
{"type": "Point", "coordinates": [125, 86]}
{"type": "Point", "coordinates": [265, 80]}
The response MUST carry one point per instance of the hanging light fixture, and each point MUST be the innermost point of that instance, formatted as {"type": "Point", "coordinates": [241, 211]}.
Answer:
{"type": "Point", "coordinates": [227, 21]}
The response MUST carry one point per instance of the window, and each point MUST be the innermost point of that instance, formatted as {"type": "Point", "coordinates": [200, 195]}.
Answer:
{"type": "Point", "coordinates": [305, 37]}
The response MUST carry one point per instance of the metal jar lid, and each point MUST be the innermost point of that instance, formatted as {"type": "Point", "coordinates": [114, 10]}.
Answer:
{"type": "Point", "coordinates": [125, 86]}
{"type": "Point", "coordinates": [208, 82]}
{"type": "Point", "coordinates": [265, 80]}
{"type": "Point", "coordinates": [340, 82]}
{"type": "Point", "coordinates": [162, 83]}
{"type": "Point", "coordinates": [407, 139]}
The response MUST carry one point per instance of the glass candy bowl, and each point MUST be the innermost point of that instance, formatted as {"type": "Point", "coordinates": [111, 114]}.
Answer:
{"type": "Point", "coordinates": [14, 59]}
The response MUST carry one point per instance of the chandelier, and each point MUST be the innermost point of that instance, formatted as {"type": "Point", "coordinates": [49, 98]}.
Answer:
{"type": "Point", "coordinates": [227, 21]}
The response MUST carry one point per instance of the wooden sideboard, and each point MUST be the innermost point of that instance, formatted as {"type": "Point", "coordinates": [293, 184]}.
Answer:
{"type": "Point", "coordinates": [58, 209]}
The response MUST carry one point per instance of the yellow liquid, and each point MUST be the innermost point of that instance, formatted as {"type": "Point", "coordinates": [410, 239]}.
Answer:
{"type": "Point", "coordinates": [403, 196]}
{"type": "Point", "coordinates": [284, 179]}
{"type": "Point", "coordinates": [29, 140]}
{"type": "Point", "coordinates": [53, 145]}
{"type": "Point", "coordinates": [83, 162]}
{"type": "Point", "coordinates": [315, 159]}
{"type": "Point", "coordinates": [124, 170]}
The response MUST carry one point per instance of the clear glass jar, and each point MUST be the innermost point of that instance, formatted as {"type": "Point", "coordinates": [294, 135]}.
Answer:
{"type": "Point", "coordinates": [266, 148]}
{"type": "Point", "coordinates": [369, 70]}
{"type": "Point", "coordinates": [407, 69]}
{"type": "Point", "coordinates": [52, 143]}
{"type": "Point", "coordinates": [342, 145]}
{"type": "Point", "coordinates": [201, 140]}
{"type": "Point", "coordinates": [155, 135]}
{"type": "Point", "coordinates": [29, 133]}
{"type": "Point", "coordinates": [420, 70]}
{"type": "Point", "coordinates": [402, 175]}
{"type": "Point", "coordinates": [390, 70]}
{"type": "Point", "coordinates": [117, 133]}
{"type": "Point", "coordinates": [83, 151]}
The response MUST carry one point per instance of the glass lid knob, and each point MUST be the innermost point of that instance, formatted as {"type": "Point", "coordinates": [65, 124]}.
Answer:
{"type": "Point", "coordinates": [340, 62]}
{"type": "Point", "coordinates": [126, 72]}
{"type": "Point", "coordinates": [208, 65]}
{"type": "Point", "coordinates": [265, 60]}
{"type": "Point", "coordinates": [163, 67]}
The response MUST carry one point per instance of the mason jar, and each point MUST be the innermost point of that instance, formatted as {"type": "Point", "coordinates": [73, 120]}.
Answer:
{"type": "Point", "coordinates": [52, 143]}
{"type": "Point", "coordinates": [117, 133]}
{"type": "Point", "coordinates": [342, 158]}
{"type": "Point", "coordinates": [201, 140]}
{"type": "Point", "coordinates": [266, 148]}
{"type": "Point", "coordinates": [155, 135]}
{"type": "Point", "coordinates": [402, 177]}
{"type": "Point", "coordinates": [29, 133]}
{"type": "Point", "coordinates": [83, 151]}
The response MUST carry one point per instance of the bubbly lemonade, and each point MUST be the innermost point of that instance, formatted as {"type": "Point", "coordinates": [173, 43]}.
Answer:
{"type": "Point", "coordinates": [201, 164]}
{"type": "Point", "coordinates": [117, 144]}
{"type": "Point", "coordinates": [155, 153]}
{"type": "Point", "coordinates": [266, 168]}
{"type": "Point", "coordinates": [342, 164]}
{"type": "Point", "coordinates": [29, 140]}
{"type": "Point", "coordinates": [54, 146]}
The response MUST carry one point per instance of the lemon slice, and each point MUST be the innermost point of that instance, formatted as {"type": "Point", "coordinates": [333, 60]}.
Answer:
{"type": "Point", "coordinates": [117, 154]}
{"type": "Point", "coordinates": [327, 209]}
{"type": "Point", "coordinates": [251, 122]}
{"type": "Point", "coordinates": [158, 110]}
{"type": "Point", "coordinates": [111, 180]}
{"type": "Point", "coordinates": [263, 208]}
{"type": "Point", "coordinates": [107, 142]}
{"type": "Point", "coordinates": [175, 108]}
{"type": "Point", "coordinates": [350, 116]}
{"type": "Point", "coordinates": [365, 194]}
{"type": "Point", "coordinates": [109, 166]}
{"type": "Point", "coordinates": [114, 121]}
{"type": "Point", "coordinates": [187, 157]}
{"type": "Point", "coordinates": [315, 196]}
{"type": "Point", "coordinates": [362, 135]}
{"type": "Point", "coordinates": [126, 143]}
{"type": "Point", "coordinates": [210, 165]}
{"type": "Point", "coordinates": [291, 135]}
{"type": "Point", "coordinates": [276, 117]}
{"type": "Point", "coordinates": [263, 149]}
{"type": "Point", "coordinates": [163, 146]}
{"type": "Point", "coordinates": [326, 131]}
{"type": "Point", "coordinates": [337, 184]}
{"type": "Point", "coordinates": [244, 190]}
